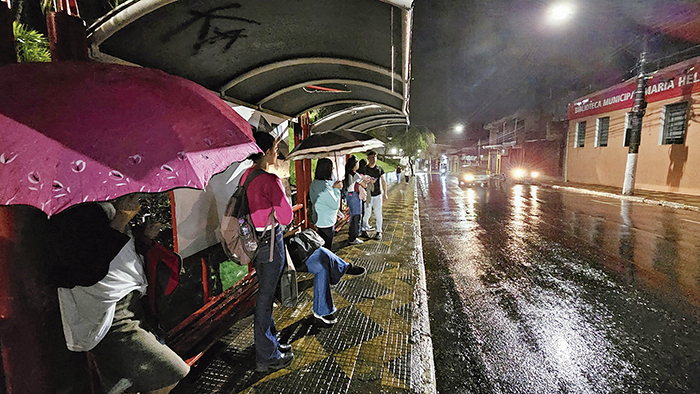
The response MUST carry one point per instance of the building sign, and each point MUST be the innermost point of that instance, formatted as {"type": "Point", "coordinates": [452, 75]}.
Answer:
{"type": "Point", "coordinates": [674, 81]}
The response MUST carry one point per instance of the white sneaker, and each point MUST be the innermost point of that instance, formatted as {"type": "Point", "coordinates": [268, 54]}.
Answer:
{"type": "Point", "coordinates": [357, 241]}
{"type": "Point", "coordinates": [370, 228]}
{"type": "Point", "coordinates": [328, 319]}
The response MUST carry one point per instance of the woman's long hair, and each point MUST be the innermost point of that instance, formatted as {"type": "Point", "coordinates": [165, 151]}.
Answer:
{"type": "Point", "coordinates": [324, 170]}
{"type": "Point", "coordinates": [349, 166]}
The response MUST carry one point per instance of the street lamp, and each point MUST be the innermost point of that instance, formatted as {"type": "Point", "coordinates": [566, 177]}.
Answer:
{"type": "Point", "coordinates": [459, 128]}
{"type": "Point", "coordinates": [560, 13]}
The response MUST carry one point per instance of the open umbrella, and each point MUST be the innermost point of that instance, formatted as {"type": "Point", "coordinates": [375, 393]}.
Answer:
{"type": "Point", "coordinates": [72, 132]}
{"type": "Point", "coordinates": [331, 143]}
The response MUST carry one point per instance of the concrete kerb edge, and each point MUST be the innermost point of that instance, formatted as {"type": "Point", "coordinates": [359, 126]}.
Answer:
{"type": "Point", "coordinates": [422, 362]}
{"type": "Point", "coordinates": [629, 198]}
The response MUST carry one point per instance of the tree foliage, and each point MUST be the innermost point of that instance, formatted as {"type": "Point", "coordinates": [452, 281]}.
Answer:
{"type": "Point", "coordinates": [412, 140]}
{"type": "Point", "coordinates": [31, 45]}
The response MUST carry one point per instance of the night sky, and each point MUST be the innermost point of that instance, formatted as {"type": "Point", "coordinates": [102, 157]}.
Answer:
{"type": "Point", "coordinates": [477, 61]}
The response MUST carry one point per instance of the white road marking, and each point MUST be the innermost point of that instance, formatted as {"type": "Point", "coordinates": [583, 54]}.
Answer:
{"type": "Point", "coordinates": [691, 221]}
{"type": "Point", "coordinates": [605, 202]}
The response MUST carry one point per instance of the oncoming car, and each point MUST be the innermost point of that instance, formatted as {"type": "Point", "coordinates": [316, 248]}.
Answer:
{"type": "Point", "coordinates": [524, 175]}
{"type": "Point", "coordinates": [474, 176]}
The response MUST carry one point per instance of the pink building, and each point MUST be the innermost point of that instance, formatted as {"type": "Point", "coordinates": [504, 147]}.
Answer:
{"type": "Point", "coordinates": [669, 153]}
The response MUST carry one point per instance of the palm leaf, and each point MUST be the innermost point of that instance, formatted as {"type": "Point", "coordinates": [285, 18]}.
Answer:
{"type": "Point", "coordinates": [31, 45]}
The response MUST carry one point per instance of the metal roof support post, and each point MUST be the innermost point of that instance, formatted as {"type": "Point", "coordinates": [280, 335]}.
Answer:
{"type": "Point", "coordinates": [67, 32]}
{"type": "Point", "coordinates": [8, 55]}
{"type": "Point", "coordinates": [303, 170]}
{"type": "Point", "coordinates": [407, 37]}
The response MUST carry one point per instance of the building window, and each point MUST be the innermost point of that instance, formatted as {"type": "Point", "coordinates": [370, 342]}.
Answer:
{"type": "Point", "coordinates": [602, 126]}
{"type": "Point", "coordinates": [673, 123]}
{"type": "Point", "coordinates": [580, 134]}
{"type": "Point", "coordinates": [628, 129]}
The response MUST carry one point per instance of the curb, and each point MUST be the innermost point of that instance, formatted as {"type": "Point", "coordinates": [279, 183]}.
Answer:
{"type": "Point", "coordinates": [628, 198]}
{"type": "Point", "coordinates": [422, 363]}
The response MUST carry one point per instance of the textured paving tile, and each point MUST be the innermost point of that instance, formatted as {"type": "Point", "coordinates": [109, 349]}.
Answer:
{"type": "Point", "coordinates": [367, 351]}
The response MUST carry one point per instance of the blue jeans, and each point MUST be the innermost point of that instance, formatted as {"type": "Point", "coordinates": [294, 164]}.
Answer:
{"type": "Point", "coordinates": [268, 273]}
{"type": "Point", "coordinates": [355, 206]}
{"type": "Point", "coordinates": [327, 268]}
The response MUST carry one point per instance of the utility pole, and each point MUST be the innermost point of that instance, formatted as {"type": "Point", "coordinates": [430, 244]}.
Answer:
{"type": "Point", "coordinates": [638, 111]}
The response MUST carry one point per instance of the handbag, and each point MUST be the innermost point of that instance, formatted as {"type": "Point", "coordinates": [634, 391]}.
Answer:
{"type": "Point", "coordinates": [288, 289]}
{"type": "Point", "coordinates": [301, 245]}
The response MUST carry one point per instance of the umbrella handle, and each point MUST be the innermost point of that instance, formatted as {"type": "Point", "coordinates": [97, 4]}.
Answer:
{"type": "Point", "coordinates": [335, 161]}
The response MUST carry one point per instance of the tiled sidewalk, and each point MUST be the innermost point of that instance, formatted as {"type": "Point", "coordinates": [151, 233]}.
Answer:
{"type": "Point", "coordinates": [673, 200]}
{"type": "Point", "coordinates": [374, 346]}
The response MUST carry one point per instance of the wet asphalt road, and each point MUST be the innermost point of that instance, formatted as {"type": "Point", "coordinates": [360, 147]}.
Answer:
{"type": "Point", "coordinates": [534, 290]}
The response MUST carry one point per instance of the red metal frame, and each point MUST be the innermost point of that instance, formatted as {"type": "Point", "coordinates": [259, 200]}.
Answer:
{"type": "Point", "coordinates": [302, 130]}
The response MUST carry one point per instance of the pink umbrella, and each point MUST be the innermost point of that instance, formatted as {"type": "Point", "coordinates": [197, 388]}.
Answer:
{"type": "Point", "coordinates": [72, 132]}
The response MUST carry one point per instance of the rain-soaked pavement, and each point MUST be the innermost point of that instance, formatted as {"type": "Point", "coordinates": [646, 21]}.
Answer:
{"type": "Point", "coordinates": [535, 290]}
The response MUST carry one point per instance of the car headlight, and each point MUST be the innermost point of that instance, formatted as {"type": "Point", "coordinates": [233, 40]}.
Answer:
{"type": "Point", "coordinates": [468, 177]}
{"type": "Point", "coordinates": [519, 173]}
{"type": "Point", "coordinates": [534, 174]}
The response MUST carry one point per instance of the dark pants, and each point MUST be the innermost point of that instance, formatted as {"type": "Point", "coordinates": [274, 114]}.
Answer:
{"type": "Point", "coordinates": [327, 233]}
{"type": "Point", "coordinates": [268, 273]}
{"type": "Point", "coordinates": [355, 206]}
{"type": "Point", "coordinates": [354, 230]}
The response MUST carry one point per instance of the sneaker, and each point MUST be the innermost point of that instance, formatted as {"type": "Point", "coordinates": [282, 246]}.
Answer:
{"type": "Point", "coordinates": [370, 228]}
{"type": "Point", "coordinates": [282, 362]}
{"type": "Point", "coordinates": [355, 270]}
{"type": "Point", "coordinates": [328, 319]}
{"type": "Point", "coordinates": [356, 241]}
{"type": "Point", "coordinates": [364, 234]}
{"type": "Point", "coordinates": [377, 236]}
{"type": "Point", "coordinates": [285, 348]}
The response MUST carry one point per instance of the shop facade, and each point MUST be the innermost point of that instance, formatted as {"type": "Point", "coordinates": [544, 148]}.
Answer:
{"type": "Point", "coordinates": [599, 127]}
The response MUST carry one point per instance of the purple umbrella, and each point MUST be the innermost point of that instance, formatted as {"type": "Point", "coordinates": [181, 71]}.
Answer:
{"type": "Point", "coordinates": [72, 132]}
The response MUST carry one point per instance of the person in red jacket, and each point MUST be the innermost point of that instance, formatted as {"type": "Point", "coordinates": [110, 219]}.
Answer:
{"type": "Point", "coordinates": [265, 196]}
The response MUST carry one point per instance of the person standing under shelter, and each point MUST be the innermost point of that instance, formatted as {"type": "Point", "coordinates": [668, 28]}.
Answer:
{"type": "Point", "coordinates": [378, 195]}
{"type": "Point", "coordinates": [352, 184]}
{"type": "Point", "coordinates": [266, 197]}
{"type": "Point", "coordinates": [325, 198]}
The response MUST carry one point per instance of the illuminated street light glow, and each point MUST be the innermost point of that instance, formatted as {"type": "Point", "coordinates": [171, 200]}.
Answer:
{"type": "Point", "coordinates": [560, 13]}
{"type": "Point", "coordinates": [519, 173]}
{"type": "Point", "coordinates": [459, 128]}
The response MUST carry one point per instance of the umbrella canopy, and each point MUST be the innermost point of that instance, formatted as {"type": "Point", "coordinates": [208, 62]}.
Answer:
{"type": "Point", "coordinates": [73, 132]}
{"type": "Point", "coordinates": [336, 142]}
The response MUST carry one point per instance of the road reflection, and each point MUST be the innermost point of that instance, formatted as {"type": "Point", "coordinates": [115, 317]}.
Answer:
{"type": "Point", "coordinates": [540, 291]}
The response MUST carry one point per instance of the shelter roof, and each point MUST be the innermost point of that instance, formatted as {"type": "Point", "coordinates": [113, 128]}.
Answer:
{"type": "Point", "coordinates": [276, 56]}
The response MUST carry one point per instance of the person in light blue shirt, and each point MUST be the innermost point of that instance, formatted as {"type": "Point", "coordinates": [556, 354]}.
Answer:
{"type": "Point", "coordinates": [325, 198]}
{"type": "Point", "coordinates": [326, 266]}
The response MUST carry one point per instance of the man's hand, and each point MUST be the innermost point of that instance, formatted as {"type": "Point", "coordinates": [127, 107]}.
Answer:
{"type": "Point", "coordinates": [338, 184]}
{"type": "Point", "coordinates": [127, 207]}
